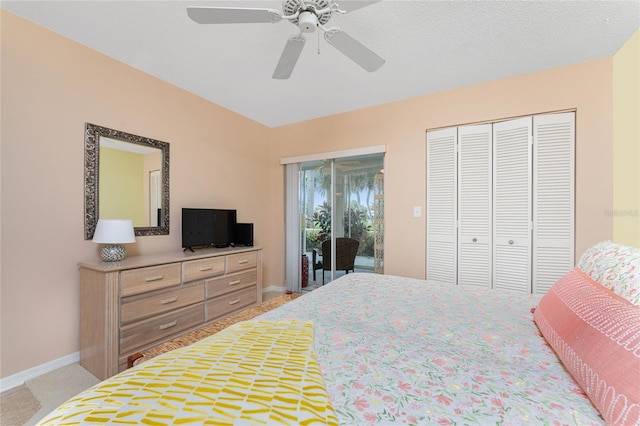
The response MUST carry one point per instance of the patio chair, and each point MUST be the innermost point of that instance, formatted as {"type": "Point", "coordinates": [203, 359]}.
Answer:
{"type": "Point", "coordinates": [346, 249]}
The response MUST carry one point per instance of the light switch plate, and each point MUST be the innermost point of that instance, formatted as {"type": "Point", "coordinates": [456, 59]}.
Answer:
{"type": "Point", "coordinates": [417, 211]}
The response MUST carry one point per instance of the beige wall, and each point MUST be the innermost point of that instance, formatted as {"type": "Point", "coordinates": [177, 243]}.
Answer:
{"type": "Point", "coordinates": [401, 126]}
{"type": "Point", "coordinates": [626, 137]}
{"type": "Point", "coordinates": [52, 86]}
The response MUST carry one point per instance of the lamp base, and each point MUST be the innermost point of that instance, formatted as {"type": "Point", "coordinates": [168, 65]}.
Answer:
{"type": "Point", "coordinates": [113, 253]}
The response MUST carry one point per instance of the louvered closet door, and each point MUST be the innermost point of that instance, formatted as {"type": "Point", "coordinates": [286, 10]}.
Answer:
{"type": "Point", "coordinates": [441, 206]}
{"type": "Point", "coordinates": [553, 198]}
{"type": "Point", "coordinates": [474, 205]}
{"type": "Point", "coordinates": [512, 204]}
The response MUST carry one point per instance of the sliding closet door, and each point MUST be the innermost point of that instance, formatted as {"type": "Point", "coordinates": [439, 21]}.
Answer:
{"type": "Point", "coordinates": [512, 204]}
{"type": "Point", "coordinates": [441, 206]}
{"type": "Point", "coordinates": [553, 198]}
{"type": "Point", "coordinates": [475, 205]}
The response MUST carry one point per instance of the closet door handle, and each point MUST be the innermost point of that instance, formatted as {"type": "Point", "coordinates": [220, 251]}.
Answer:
{"type": "Point", "coordinates": [511, 242]}
{"type": "Point", "coordinates": [475, 240]}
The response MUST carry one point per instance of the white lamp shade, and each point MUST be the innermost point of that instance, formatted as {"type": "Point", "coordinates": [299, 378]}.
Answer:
{"type": "Point", "coordinates": [114, 231]}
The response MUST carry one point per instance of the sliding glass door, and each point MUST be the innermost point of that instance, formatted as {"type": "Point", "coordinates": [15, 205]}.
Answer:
{"type": "Point", "coordinates": [341, 203]}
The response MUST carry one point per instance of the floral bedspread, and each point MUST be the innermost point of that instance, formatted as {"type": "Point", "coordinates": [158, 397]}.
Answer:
{"type": "Point", "coordinates": [406, 351]}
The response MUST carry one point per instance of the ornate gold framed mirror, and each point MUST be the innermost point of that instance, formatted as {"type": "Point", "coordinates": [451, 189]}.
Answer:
{"type": "Point", "coordinates": [126, 176]}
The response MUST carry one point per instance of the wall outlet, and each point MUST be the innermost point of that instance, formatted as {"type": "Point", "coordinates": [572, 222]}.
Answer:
{"type": "Point", "coordinates": [417, 211]}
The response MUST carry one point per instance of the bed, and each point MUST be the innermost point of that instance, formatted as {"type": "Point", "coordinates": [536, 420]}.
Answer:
{"type": "Point", "coordinates": [380, 349]}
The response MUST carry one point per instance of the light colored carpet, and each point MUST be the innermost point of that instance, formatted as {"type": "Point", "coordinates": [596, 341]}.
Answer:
{"type": "Point", "coordinates": [55, 387]}
{"type": "Point", "coordinates": [17, 406]}
{"type": "Point", "coordinates": [29, 403]}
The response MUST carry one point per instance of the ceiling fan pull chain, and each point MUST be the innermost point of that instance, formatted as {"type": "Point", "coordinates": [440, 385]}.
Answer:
{"type": "Point", "coordinates": [318, 42]}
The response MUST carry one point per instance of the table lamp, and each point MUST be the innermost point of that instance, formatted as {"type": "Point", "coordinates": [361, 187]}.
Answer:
{"type": "Point", "coordinates": [114, 233]}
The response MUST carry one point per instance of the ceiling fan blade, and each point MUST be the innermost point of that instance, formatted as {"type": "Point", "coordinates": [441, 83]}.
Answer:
{"type": "Point", "coordinates": [354, 50]}
{"type": "Point", "coordinates": [351, 5]}
{"type": "Point", "coordinates": [232, 15]}
{"type": "Point", "coordinates": [289, 57]}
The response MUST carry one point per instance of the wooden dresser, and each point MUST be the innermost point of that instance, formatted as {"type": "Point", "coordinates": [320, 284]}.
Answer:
{"type": "Point", "coordinates": [143, 301]}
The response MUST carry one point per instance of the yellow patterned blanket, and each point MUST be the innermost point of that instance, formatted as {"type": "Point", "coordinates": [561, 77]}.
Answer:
{"type": "Point", "coordinates": [252, 373]}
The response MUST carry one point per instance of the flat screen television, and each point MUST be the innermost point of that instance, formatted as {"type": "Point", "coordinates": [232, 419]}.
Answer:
{"type": "Point", "coordinates": [208, 227]}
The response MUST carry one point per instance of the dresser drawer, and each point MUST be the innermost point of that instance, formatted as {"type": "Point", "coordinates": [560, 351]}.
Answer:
{"type": "Point", "coordinates": [240, 261]}
{"type": "Point", "coordinates": [228, 283]}
{"type": "Point", "coordinates": [202, 268]}
{"type": "Point", "coordinates": [141, 280]}
{"type": "Point", "coordinates": [223, 305]}
{"type": "Point", "coordinates": [146, 305]}
{"type": "Point", "coordinates": [141, 333]}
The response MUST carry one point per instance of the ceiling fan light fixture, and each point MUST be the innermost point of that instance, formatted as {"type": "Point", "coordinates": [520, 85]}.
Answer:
{"type": "Point", "coordinates": [308, 22]}
{"type": "Point", "coordinates": [308, 16]}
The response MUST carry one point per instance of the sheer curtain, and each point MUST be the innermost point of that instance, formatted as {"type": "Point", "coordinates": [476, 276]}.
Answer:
{"type": "Point", "coordinates": [292, 229]}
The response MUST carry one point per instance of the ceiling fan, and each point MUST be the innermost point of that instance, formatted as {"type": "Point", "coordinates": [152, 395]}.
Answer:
{"type": "Point", "coordinates": [308, 16]}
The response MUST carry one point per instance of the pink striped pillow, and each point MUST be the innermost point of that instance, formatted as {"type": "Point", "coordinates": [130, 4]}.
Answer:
{"type": "Point", "coordinates": [596, 335]}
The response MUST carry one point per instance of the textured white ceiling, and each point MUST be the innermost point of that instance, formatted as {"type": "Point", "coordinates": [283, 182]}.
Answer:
{"type": "Point", "coordinates": [429, 46]}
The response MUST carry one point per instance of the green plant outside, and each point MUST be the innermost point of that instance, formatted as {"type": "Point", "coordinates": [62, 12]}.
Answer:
{"type": "Point", "coordinates": [356, 225]}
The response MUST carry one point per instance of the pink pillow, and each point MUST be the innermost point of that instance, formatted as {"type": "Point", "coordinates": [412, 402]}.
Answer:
{"type": "Point", "coordinates": [596, 335]}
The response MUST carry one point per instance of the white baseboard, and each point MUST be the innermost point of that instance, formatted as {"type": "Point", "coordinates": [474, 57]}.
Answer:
{"type": "Point", "coordinates": [273, 288]}
{"type": "Point", "coordinates": [18, 379]}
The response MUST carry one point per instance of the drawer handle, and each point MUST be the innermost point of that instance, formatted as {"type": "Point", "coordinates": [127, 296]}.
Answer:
{"type": "Point", "coordinates": [243, 261]}
{"type": "Point", "coordinates": [206, 268]}
{"type": "Point", "coordinates": [234, 282]}
{"type": "Point", "coordinates": [154, 278]}
{"type": "Point", "coordinates": [233, 302]}
{"type": "Point", "coordinates": [169, 300]}
{"type": "Point", "coordinates": [168, 325]}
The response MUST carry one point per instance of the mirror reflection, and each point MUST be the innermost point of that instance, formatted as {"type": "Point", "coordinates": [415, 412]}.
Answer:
{"type": "Point", "coordinates": [129, 182]}
{"type": "Point", "coordinates": [126, 177]}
